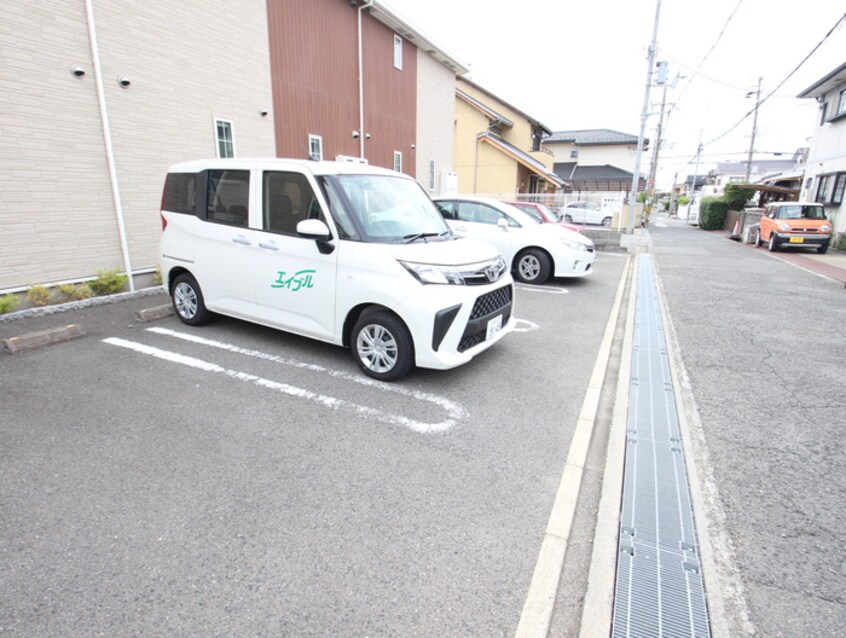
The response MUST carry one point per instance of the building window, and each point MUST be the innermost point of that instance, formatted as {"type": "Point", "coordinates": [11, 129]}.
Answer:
{"type": "Point", "coordinates": [823, 112]}
{"type": "Point", "coordinates": [841, 105]}
{"type": "Point", "coordinates": [398, 161]}
{"type": "Point", "coordinates": [223, 138]}
{"type": "Point", "coordinates": [397, 52]}
{"type": "Point", "coordinates": [315, 147]}
{"type": "Point", "coordinates": [839, 187]}
{"type": "Point", "coordinates": [824, 189]}
{"type": "Point", "coordinates": [574, 154]}
{"type": "Point", "coordinates": [431, 175]}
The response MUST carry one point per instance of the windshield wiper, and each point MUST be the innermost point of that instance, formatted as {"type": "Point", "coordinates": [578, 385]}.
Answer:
{"type": "Point", "coordinates": [414, 237]}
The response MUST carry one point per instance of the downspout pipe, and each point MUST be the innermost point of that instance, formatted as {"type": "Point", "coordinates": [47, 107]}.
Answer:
{"type": "Point", "coordinates": [361, 134]}
{"type": "Point", "coordinates": [107, 141]}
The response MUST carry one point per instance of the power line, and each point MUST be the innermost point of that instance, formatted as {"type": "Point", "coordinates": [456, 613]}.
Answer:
{"type": "Point", "coordinates": [780, 84]}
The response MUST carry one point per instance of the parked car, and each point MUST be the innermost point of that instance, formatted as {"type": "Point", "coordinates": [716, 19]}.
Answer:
{"type": "Point", "coordinates": [586, 213]}
{"type": "Point", "coordinates": [802, 224]}
{"type": "Point", "coordinates": [534, 251]}
{"type": "Point", "coordinates": [346, 253]}
{"type": "Point", "coordinates": [544, 214]}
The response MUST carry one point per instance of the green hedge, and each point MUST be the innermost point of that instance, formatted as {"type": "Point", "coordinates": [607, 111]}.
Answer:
{"type": "Point", "coordinates": [712, 213]}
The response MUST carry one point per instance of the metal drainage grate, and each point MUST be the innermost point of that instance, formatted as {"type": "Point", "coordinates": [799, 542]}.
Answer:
{"type": "Point", "coordinates": [659, 590]}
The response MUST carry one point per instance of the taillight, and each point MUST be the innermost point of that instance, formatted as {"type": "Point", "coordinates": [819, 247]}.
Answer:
{"type": "Point", "coordinates": [161, 208]}
{"type": "Point", "coordinates": [164, 221]}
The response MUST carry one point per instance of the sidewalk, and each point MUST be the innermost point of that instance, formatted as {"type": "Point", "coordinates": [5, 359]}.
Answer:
{"type": "Point", "coordinates": [831, 265]}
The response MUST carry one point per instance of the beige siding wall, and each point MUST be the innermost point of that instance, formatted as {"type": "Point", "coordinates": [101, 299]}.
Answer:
{"type": "Point", "coordinates": [188, 63]}
{"type": "Point", "coordinates": [619, 155]}
{"type": "Point", "coordinates": [435, 119]}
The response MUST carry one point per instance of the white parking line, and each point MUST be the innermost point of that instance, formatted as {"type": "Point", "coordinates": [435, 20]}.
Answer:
{"type": "Point", "coordinates": [547, 290]}
{"type": "Point", "coordinates": [454, 410]}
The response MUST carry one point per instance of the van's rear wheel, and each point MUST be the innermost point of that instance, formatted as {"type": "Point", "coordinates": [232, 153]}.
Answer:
{"type": "Point", "coordinates": [188, 300]}
{"type": "Point", "coordinates": [382, 345]}
{"type": "Point", "coordinates": [606, 222]}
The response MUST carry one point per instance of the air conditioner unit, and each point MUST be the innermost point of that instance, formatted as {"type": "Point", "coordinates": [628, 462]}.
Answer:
{"type": "Point", "coordinates": [351, 159]}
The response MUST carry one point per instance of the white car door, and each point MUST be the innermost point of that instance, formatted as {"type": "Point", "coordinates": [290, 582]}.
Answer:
{"type": "Point", "coordinates": [224, 245]}
{"type": "Point", "coordinates": [295, 277]}
{"type": "Point", "coordinates": [480, 221]}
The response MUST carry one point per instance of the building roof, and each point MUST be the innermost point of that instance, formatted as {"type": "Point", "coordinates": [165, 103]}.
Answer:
{"type": "Point", "coordinates": [830, 82]}
{"type": "Point", "coordinates": [492, 115]}
{"type": "Point", "coordinates": [758, 166]}
{"type": "Point", "coordinates": [595, 178]}
{"type": "Point", "coordinates": [593, 136]}
{"type": "Point", "coordinates": [529, 118]}
{"type": "Point", "coordinates": [394, 21]}
{"type": "Point", "coordinates": [521, 157]}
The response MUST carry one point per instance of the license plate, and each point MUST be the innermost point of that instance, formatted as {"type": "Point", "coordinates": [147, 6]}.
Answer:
{"type": "Point", "coordinates": [494, 326]}
{"type": "Point", "coordinates": [797, 240]}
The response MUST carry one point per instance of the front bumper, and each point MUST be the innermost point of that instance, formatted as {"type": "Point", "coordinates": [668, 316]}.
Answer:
{"type": "Point", "coordinates": [801, 239]}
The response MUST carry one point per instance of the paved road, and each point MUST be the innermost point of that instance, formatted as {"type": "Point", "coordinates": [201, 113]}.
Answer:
{"type": "Point", "coordinates": [761, 341]}
{"type": "Point", "coordinates": [255, 484]}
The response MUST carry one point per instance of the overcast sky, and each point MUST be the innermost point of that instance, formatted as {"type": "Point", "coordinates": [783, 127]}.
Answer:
{"type": "Point", "coordinates": [583, 64]}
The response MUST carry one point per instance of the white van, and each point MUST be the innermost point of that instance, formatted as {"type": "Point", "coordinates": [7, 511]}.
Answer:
{"type": "Point", "coordinates": [343, 252]}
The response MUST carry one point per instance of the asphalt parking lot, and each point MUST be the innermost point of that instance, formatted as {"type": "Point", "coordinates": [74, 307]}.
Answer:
{"type": "Point", "coordinates": [235, 480]}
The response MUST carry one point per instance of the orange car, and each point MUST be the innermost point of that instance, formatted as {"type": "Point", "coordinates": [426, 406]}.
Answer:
{"type": "Point", "coordinates": [794, 224]}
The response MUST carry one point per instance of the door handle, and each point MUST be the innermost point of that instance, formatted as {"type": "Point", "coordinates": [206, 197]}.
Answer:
{"type": "Point", "coordinates": [270, 246]}
{"type": "Point", "coordinates": [240, 239]}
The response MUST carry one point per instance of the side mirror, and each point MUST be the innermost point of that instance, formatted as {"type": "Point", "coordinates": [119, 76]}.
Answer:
{"type": "Point", "coordinates": [502, 223]}
{"type": "Point", "coordinates": [314, 229]}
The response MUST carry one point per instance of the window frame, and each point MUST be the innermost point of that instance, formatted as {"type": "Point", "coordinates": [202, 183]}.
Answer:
{"type": "Point", "coordinates": [398, 161]}
{"type": "Point", "coordinates": [318, 140]}
{"type": "Point", "coordinates": [221, 144]}
{"type": "Point", "coordinates": [398, 46]}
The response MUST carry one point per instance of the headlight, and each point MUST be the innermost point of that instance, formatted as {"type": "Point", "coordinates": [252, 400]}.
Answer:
{"type": "Point", "coordinates": [825, 228]}
{"type": "Point", "coordinates": [434, 274]}
{"type": "Point", "coordinates": [575, 245]}
{"type": "Point", "coordinates": [784, 227]}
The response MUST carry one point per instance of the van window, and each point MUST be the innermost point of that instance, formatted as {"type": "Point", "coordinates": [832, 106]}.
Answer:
{"type": "Point", "coordinates": [288, 199]}
{"type": "Point", "coordinates": [228, 197]}
{"type": "Point", "coordinates": [180, 193]}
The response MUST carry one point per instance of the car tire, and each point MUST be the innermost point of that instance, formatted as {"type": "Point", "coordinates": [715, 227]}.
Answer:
{"type": "Point", "coordinates": [758, 239]}
{"type": "Point", "coordinates": [568, 219]}
{"type": "Point", "coordinates": [532, 266]}
{"type": "Point", "coordinates": [382, 345]}
{"type": "Point", "coordinates": [822, 250]}
{"type": "Point", "coordinates": [772, 245]}
{"type": "Point", "coordinates": [188, 300]}
{"type": "Point", "coordinates": [606, 221]}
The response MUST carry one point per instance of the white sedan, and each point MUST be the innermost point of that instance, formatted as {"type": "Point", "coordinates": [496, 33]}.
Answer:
{"type": "Point", "coordinates": [587, 213]}
{"type": "Point", "coordinates": [535, 250]}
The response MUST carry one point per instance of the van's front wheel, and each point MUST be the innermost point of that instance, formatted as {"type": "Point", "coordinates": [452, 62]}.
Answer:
{"type": "Point", "coordinates": [382, 345]}
{"type": "Point", "coordinates": [188, 300]}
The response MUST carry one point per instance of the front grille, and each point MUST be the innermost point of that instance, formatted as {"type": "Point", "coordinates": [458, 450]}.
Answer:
{"type": "Point", "coordinates": [486, 307]}
{"type": "Point", "coordinates": [490, 302]}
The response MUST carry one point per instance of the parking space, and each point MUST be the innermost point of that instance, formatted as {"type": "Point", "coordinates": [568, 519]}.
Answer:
{"type": "Point", "coordinates": [232, 479]}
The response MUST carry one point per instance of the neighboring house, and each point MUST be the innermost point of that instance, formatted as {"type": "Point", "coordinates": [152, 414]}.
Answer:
{"type": "Point", "coordinates": [498, 147]}
{"type": "Point", "coordinates": [83, 174]}
{"type": "Point", "coordinates": [595, 159]}
{"type": "Point", "coordinates": [735, 172]}
{"type": "Point", "coordinates": [825, 172]}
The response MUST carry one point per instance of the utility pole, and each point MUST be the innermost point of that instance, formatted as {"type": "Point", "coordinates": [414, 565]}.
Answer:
{"type": "Point", "coordinates": [695, 171]}
{"type": "Point", "coordinates": [653, 170]}
{"type": "Point", "coordinates": [643, 115]}
{"type": "Point", "coordinates": [754, 129]}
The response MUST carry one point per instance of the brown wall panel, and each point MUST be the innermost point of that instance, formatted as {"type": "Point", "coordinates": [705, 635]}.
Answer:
{"type": "Point", "coordinates": [314, 67]}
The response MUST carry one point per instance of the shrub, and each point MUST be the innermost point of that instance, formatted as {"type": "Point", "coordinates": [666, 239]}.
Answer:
{"type": "Point", "coordinates": [157, 276]}
{"type": "Point", "coordinates": [8, 302]}
{"type": "Point", "coordinates": [108, 282]}
{"type": "Point", "coordinates": [76, 292]}
{"type": "Point", "coordinates": [39, 295]}
{"type": "Point", "coordinates": [683, 200]}
{"type": "Point", "coordinates": [736, 196]}
{"type": "Point", "coordinates": [712, 213]}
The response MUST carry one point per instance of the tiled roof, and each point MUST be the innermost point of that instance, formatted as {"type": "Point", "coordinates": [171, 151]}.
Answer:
{"type": "Point", "coordinates": [587, 137]}
{"type": "Point", "coordinates": [594, 178]}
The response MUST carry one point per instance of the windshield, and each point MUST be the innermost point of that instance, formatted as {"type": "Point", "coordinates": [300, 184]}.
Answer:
{"type": "Point", "coordinates": [385, 209]}
{"type": "Point", "coordinates": [801, 212]}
